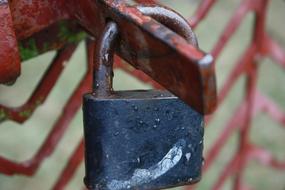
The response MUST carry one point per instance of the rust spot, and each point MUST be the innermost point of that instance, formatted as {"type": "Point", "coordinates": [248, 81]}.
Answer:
{"type": "Point", "coordinates": [10, 61]}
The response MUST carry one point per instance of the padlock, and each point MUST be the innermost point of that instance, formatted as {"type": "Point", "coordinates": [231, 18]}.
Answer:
{"type": "Point", "coordinates": [139, 139]}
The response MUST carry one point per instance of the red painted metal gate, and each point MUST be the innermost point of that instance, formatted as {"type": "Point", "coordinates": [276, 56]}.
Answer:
{"type": "Point", "coordinates": [262, 45]}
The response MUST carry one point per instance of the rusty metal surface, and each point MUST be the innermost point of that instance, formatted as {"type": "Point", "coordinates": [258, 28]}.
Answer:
{"type": "Point", "coordinates": [170, 19]}
{"type": "Point", "coordinates": [103, 63]}
{"type": "Point", "coordinates": [9, 55]}
{"type": "Point", "coordinates": [150, 46]}
{"type": "Point", "coordinates": [31, 16]}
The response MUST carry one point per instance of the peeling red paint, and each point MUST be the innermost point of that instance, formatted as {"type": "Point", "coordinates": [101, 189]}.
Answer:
{"type": "Point", "coordinates": [31, 16]}
{"type": "Point", "coordinates": [9, 55]}
{"type": "Point", "coordinates": [146, 53]}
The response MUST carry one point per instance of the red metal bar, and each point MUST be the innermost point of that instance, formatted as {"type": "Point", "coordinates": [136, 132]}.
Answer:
{"type": "Point", "coordinates": [232, 125]}
{"type": "Point", "coordinates": [272, 109]}
{"type": "Point", "coordinates": [10, 59]}
{"type": "Point", "coordinates": [30, 167]}
{"type": "Point", "coordinates": [261, 45]}
{"type": "Point", "coordinates": [266, 158]}
{"type": "Point", "coordinates": [154, 42]}
{"type": "Point", "coordinates": [73, 163]}
{"type": "Point", "coordinates": [32, 16]}
{"type": "Point", "coordinates": [237, 71]}
{"type": "Point", "coordinates": [78, 155]}
{"type": "Point", "coordinates": [244, 142]}
{"type": "Point", "coordinates": [231, 27]}
{"type": "Point", "coordinates": [275, 51]}
{"type": "Point", "coordinates": [73, 104]}
{"type": "Point", "coordinates": [202, 11]}
{"type": "Point", "coordinates": [43, 89]}
{"type": "Point", "coordinates": [229, 169]}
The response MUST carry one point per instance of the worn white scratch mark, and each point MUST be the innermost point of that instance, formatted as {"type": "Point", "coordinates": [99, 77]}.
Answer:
{"type": "Point", "coordinates": [206, 60]}
{"type": "Point", "coordinates": [188, 156]}
{"type": "Point", "coordinates": [141, 176]}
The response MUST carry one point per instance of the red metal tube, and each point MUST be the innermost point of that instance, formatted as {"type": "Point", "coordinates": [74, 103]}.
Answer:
{"type": "Point", "coordinates": [9, 55]}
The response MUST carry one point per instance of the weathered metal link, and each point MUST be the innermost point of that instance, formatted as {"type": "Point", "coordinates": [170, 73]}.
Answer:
{"type": "Point", "coordinates": [170, 19]}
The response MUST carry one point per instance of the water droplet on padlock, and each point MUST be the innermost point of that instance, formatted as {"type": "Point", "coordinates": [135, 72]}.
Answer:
{"type": "Point", "coordinates": [135, 108]}
{"type": "Point", "coordinates": [141, 122]}
{"type": "Point", "coordinates": [188, 156]}
{"type": "Point", "coordinates": [157, 122]}
{"type": "Point", "coordinates": [116, 133]}
{"type": "Point", "coordinates": [158, 95]}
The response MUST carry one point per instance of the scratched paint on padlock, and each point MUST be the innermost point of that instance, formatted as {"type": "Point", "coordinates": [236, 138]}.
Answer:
{"type": "Point", "coordinates": [142, 176]}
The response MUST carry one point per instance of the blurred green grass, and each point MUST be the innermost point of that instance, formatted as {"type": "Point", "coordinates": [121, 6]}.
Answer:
{"type": "Point", "coordinates": [20, 142]}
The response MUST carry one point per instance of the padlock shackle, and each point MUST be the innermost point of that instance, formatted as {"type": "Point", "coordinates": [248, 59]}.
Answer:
{"type": "Point", "coordinates": [171, 19]}
{"type": "Point", "coordinates": [104, 56]}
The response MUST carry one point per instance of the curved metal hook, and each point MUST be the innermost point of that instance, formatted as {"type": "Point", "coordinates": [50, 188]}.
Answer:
{"type": "Point", "coordinates": [171, 19]}
{"type": "Point", "coordinates": [103, 71]}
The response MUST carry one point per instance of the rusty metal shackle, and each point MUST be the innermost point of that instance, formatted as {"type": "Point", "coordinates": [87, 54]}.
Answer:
{"type": "Point", "coordinates": [171, 19]}
{"type": "Point", "coordinates": [104, 56]}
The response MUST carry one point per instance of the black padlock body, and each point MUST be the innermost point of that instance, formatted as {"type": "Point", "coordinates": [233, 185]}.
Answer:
{"type": "Point", "coordinates": [141, 140]}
